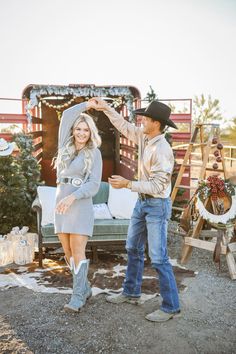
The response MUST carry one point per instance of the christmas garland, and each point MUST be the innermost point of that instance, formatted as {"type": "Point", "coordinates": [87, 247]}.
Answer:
{"type": "Point", "coordinates": [216, 189]}
{"type": "Point", "coordinates": [122, 94]}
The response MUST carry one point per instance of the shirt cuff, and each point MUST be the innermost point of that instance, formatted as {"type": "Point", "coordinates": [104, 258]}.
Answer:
{"type": "Point", "coordinates": [135, 186]}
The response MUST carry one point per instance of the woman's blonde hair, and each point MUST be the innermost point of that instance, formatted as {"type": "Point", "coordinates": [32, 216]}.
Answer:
{"type": "Point", "coordinates": [68, 151]}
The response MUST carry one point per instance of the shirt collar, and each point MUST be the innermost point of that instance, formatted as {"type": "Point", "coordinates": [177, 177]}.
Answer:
{"type": "Point", "coordinates": [153, 140]}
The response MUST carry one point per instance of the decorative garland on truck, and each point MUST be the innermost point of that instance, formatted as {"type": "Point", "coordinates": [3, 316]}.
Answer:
{"type": "Point", "coordinates": [121, 94]}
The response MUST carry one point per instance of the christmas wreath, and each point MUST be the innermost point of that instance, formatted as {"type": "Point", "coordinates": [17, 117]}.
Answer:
{"type": "Point", "coordinates": [222, 196]}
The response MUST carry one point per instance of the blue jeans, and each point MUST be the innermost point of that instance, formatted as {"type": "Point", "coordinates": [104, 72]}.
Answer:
{"type": "Point", "coordinates": [149, 221]}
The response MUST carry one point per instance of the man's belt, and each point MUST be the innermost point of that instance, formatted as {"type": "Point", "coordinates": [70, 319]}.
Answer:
{"type": "Point", "coordinates": [74, 181]}
{"type": "Point", "coordinates": [144, 196]}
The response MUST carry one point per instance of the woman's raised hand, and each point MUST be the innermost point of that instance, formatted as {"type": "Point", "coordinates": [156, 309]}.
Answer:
{"type": "Point", "coordinates": [97, 103]}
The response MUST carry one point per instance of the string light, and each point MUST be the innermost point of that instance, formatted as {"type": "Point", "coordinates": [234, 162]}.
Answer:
{"type": "Point", "coordinates": [58, 107]}
{"type": "Point", "coordinates": [116, 102]}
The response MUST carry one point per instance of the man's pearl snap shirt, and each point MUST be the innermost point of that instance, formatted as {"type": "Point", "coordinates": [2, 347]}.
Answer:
{"type": "Point", "coordinates": [156, 159]}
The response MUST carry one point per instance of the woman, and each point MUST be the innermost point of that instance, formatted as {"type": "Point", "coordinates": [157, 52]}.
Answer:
{"type": "Point", "coordinates": [79, 170]}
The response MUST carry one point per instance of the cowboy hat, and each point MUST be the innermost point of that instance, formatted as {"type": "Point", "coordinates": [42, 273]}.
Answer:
{"type": "Point", "coordinates": [157, 111]}
{"type": "Point", "coordinates": [5, 147]}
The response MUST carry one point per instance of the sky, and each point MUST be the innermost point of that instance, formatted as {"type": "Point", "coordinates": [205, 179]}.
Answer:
{"type": "Point", "coordinates": [181, 48]}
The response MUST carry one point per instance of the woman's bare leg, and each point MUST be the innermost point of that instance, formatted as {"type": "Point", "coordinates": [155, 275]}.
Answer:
{"type": "Point", "coordinates": [78, 245]}
{"type": "Point", "coordinates": [65, 241]}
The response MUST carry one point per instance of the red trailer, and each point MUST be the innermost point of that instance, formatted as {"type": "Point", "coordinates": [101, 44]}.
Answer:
{"type": "Point", "coordinates": [42, 106]}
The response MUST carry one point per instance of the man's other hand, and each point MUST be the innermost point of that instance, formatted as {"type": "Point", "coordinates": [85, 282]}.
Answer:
{"type": "Point", "coordinates": [117, 181]}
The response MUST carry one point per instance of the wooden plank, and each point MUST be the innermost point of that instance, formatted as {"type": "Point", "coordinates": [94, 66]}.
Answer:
{"type": "Point", "coordinates": [194, 136]}
{"type": "Point", "coordinates": [208, 233]}
{"type": "Point", "coordinates": [206, 155]}
{"type": "Point", "coordinates": [231, 265]}
{"type": "Point", "coordinates": [13, 118]}
{"type": "Point", "coordinates": [182, 167]}
{"type": "Point", "coordinates": [198, 144]}
{"type": "Point", "coordinates": [38, 146]}
{"type": "Point", "coordinates": [199, 223]}
{"type": "Point", "coordinates": [204, 233]}
{"type": "Point", "coordinates": [202, 140]}
{"type": "Point", "coordinates": [37, 133]}
{"type": "Point", "coordinates": [187, 250]}
{"type": "Point", "coordinates": [37, 120]}
{"type": "Point", "coordinates": [192, 165]}
{"type": "Point", "coordinates": [223, 163]}
{"type": "Point", "coordinates": [186, 187]}
{"type": "Point", "coordinates": [39, 156]}
{"type": "Point", "coordinates": [213, 169]}
{"type": "Point", "coordinates": [206, 245]}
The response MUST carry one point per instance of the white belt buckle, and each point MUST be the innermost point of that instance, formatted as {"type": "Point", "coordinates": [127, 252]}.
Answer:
{"type": "Point", "coordinates": [76, 182]}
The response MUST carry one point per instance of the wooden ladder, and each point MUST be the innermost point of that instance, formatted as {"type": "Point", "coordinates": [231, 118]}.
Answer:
{"type": "Point", "coordinates": [205, 147]}
{"type": "Point", "coordinates": [205, 152]}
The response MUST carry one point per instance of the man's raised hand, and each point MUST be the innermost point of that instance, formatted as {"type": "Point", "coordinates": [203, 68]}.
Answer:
{"type": "Point", "coordinates": [98, 104]}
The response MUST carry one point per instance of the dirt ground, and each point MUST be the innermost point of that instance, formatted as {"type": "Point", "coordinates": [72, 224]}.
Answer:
{"type": "Point", "coordinates": [34, 322]}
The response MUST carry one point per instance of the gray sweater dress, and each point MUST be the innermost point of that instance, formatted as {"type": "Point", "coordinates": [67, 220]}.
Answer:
{"type": "Point", "coordinates": [79, 218]}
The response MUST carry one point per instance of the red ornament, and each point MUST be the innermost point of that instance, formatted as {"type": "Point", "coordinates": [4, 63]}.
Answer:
{"type": "Point", "coordinates": [219, 146]}
{"type": "Point", "coordinates": [218, 159]}
{"type": "Point", "coordinates": [216, 153]}
{"type": "Point", "coordinates": [215, 166]}
{"type": "Point", "coordinates": [214, 140]}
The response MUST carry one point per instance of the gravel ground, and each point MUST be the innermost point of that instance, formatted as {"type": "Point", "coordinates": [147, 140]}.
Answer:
{"type": "Point", "coordinates": [32, 322]}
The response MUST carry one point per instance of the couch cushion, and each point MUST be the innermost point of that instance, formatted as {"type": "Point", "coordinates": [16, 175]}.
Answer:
{"type": "Point", "coordinates": [102, 194]}
{"type": "Point", "coordinates": [101, 211]}
{"type": "Point", "coordinates": [47, 198]}
{"type": "Point", "coordinates": [121, 202]}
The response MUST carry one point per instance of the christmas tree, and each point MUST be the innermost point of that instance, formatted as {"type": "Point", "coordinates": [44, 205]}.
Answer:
{"type": "Point", "coordinates": [28, 164]}
{"type": "Point", "coordinates": [13, 189]}
{"type": "Point", "coordinates": [19, 178]}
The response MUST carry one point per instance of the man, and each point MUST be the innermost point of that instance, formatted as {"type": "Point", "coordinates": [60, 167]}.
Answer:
{"type": "Point", "coordinates": [153, 208]}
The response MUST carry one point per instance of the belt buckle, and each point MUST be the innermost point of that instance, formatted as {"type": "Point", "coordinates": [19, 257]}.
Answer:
{"type": "Point", "coordinates": [142, 196]}
{"type": "Point", "coordinates": [76, 182]}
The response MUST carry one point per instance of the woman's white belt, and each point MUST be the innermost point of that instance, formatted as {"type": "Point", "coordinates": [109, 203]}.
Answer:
{"type": "Point", "coordinates": [75, 181]}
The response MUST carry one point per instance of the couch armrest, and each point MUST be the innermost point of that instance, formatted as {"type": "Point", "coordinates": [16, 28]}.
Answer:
{"type": "Point", "coordinates": [37, 208]}
{"type": "Point", "coordinates": [36, 205]}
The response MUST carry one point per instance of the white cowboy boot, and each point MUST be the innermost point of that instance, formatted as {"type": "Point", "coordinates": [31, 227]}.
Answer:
{"type": "Point", "coordinates": [81, 287]}
{"type": "Point", "coordinates": [88, 290]}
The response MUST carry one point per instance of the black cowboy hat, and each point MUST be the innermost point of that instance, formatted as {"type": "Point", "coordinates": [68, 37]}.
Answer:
{"type": "Point", "coordinates": [157, 111]}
